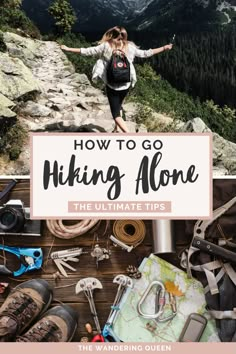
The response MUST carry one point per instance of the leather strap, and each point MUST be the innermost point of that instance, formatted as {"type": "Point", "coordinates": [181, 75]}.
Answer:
{"type": "Point", "coordinates": [223, 315]}
{"type": "Point", "coordinates": [8, 188]}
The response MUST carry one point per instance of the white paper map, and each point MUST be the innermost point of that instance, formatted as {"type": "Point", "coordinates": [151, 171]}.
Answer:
{"type": "Point", "coordinates": [130, 327]}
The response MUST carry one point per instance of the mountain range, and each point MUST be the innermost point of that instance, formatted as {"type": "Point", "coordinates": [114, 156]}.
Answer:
{"type": "Point", "coordinates": [137, 15]}
{"type": "Point", "coordinates": [185, 15]}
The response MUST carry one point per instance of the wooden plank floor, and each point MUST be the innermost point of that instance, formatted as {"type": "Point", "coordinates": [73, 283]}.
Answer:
{"type": "Point", "coordinates": [64, 289]}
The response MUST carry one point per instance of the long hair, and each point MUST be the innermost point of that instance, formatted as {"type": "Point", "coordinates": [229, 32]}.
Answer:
{"type": "Point", "coordinates": [116, 36]}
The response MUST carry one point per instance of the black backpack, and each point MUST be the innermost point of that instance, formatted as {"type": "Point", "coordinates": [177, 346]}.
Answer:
{"type": "Point", "coordinates": [118, 68]}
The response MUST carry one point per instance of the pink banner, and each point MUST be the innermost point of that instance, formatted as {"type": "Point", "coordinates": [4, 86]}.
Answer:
{"type": "Point", "coordinates": [118, 207]}
{"type": "Point", "coordinates": [126, 348]}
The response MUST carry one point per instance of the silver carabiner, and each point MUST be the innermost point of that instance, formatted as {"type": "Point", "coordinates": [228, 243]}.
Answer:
{"type": "Point", "coordinates": [172, 302]}
{"type": "Point", "coordinates": [161, 300]}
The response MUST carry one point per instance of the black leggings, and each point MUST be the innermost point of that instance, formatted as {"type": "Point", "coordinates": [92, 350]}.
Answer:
{"type": "Point", "coordinates": [116, 99]}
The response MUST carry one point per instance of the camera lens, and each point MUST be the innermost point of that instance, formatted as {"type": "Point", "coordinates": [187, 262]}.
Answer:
{"type": "Point", "coordinates": [7, 218]}
{"type": "Point", "coordinates": [11, 219]}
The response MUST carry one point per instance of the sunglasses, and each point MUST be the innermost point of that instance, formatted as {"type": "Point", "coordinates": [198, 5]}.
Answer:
{"type": "Point", "coordinates": [117, 34]}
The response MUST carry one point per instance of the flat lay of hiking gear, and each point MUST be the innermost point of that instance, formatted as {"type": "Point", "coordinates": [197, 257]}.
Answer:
{"type": "Point", "coordinates": [22, 307]}
{"type": "Point", "coordinates": [118, 68]}
{"type": "Point", "coordinates": [160, 302]}
{"type": "Point", "coordinates": [57, 325]}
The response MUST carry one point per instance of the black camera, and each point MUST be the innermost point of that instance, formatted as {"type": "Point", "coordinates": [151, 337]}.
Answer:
{"type": "Point", "coordinates": [15, 220]}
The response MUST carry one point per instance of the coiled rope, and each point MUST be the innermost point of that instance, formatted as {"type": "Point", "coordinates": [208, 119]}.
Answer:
{"type": "Point", "coordinates": [131, 232]}
{"type": "Point", "coordinates": [59, 229]}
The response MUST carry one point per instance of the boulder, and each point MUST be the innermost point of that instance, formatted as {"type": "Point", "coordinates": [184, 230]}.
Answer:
{"type": "Point", "coordinates": [16, 80]}
{"type": "Point", "coordinates": [26, 49]}
{"type": "Point", "coordinates": [92, 91]}
{"type": "Point", "coordinates": [80, 79]}
{"type": "Point", "coordinates": [132, 109]}
{"type": "Point", "coordinates": [36, 110]}
{"type": "Point", "coordinates": [196, 125]}
{"type": "Point", "coordinates": [224, 151]}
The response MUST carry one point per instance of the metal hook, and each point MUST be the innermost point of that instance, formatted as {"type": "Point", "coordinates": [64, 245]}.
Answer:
{"type": "Point", "coordinates": [160, 303]}
{"type": "Point", "coordinates": [161, 300]}
{"type": "Point", "coordinates": [172, 302]}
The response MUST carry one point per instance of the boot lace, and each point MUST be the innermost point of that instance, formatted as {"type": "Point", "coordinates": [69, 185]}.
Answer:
{"type": "Point", "coordinates": [21, 309]}
{"type": "Point", "coordinates": [44, 331]}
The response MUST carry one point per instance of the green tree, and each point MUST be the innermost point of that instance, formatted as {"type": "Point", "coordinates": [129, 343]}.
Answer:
{"type": "Point", "coordinates": [63, 14]}
{"type": "Point", "coordinates": [13, 18]}
{"type": "Point", "coordinates": [14, 4]}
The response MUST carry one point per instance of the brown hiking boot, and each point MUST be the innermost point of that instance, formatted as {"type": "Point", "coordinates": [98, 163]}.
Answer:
{"type": "Point", "coordinates": [22, 306]}
{"type": "Point", "coordinates": [57, 325]}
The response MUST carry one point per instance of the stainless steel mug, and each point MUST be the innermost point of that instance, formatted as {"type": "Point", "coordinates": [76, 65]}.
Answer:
{"type": "Point", "coordinates": [163, 236]}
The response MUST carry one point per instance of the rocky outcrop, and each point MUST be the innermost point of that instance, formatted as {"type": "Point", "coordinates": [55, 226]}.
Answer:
{"type": "Point", "coordinates": [16, 80]}
{"type": "Point", "coordinates": [224, 152]}
{"type": "Point", "coordinates": [41, 85]}
{"type": "Point", "coordinates": [25, 49]}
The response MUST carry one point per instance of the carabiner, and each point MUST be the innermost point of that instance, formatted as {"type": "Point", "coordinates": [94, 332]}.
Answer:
{"type": "Point", "coordinates": [172, 302]}
{"type": "Point", "coordinates": [160, 294]}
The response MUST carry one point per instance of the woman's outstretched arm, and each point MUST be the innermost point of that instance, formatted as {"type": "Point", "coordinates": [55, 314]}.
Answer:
{"type": "Point", "coordinates": [150, 52]}
{"type": "Point", "coordinates": [162, 49]}
{"type": "Point", "coordinates": [73, 50]}
{"type": "Point", "coordinates": [91, 51]}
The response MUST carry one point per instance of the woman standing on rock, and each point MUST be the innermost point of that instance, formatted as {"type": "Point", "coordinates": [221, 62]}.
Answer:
{"type": "Point", "coordinates": [115, 42]}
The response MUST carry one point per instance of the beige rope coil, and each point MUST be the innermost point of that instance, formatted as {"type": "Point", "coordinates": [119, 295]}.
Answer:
{"type": "Point", "coordinates": [59, 229]}
{"type": "Point", "coordinates": [131, 232]}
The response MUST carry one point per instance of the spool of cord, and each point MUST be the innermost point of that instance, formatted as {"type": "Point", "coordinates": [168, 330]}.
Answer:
{"type": "Point", "coordinates": [130, 232]}
{"type": "Point", "coordinates": [59, 229]}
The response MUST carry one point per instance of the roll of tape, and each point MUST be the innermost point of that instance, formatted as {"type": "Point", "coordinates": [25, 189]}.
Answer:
{"type": "Point", "coordinates": [131, 232]}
